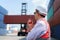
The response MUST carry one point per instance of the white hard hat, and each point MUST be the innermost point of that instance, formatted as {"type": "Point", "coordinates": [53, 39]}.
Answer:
{"type": "Point", "coordinates": [42, 6]}
{"type": "Point", "coordinates": [42, 10]}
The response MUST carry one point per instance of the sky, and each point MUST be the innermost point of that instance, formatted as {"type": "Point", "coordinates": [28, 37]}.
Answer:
{"type": "Point", "coordinates": [14, 6]}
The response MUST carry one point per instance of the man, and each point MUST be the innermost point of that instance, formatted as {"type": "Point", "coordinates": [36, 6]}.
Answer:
{"type": "Point", "coordinates": [41, 29]}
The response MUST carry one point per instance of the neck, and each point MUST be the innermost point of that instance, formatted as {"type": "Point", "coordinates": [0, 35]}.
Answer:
{"type": "Point", "coordinates": [39, 18]}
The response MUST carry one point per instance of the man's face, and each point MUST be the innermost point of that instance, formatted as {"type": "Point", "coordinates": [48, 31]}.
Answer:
{"type": "Point", "coordinates": [36, 15]}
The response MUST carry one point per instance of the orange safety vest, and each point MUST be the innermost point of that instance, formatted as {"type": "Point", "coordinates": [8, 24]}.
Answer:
{"type": "Point", "coordinates": [47, 34]}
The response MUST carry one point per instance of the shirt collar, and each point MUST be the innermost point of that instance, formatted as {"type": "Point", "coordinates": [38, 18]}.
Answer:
{"type": "Point", "coordinates": [40, 19]}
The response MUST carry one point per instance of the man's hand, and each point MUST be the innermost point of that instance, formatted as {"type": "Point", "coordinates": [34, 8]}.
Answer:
{"type": "Point", "coordinates": [30, 25]}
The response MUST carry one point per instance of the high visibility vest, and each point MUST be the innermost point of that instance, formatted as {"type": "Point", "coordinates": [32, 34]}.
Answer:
{"type": "Point", "coordinates": [47, 34]}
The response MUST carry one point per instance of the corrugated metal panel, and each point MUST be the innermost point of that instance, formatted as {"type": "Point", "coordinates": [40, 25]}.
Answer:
{"type": "Point", "coordinates": [50, 13]}
{"type": "Point", "coordinates": [3, 10]}
{"type": "Point", "coordinates": [1, 17]}
{"type": "Point", "coordinates": [57, 17]}
{"type": "Point", "coordinates": [56, 4]}
{"type": "Point", "coordinates": [54, 20]}
{"type": "Point", "coordinates": [16, 19]}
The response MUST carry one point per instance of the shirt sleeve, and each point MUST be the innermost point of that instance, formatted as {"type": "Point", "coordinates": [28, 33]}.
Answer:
{"type": "Point", "coordinates": [37, 31]}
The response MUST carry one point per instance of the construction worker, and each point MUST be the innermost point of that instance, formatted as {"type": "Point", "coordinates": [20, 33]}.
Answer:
{"type": "Point", "coordinates": [41, 29]}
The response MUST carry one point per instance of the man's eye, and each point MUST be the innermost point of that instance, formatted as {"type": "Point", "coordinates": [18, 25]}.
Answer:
{"type": "Point", "coordinates": [34, 12]}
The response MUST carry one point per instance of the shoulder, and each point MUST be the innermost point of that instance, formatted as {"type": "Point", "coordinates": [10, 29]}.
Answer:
{"type": "Point", "coordinates": [41, 22]}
